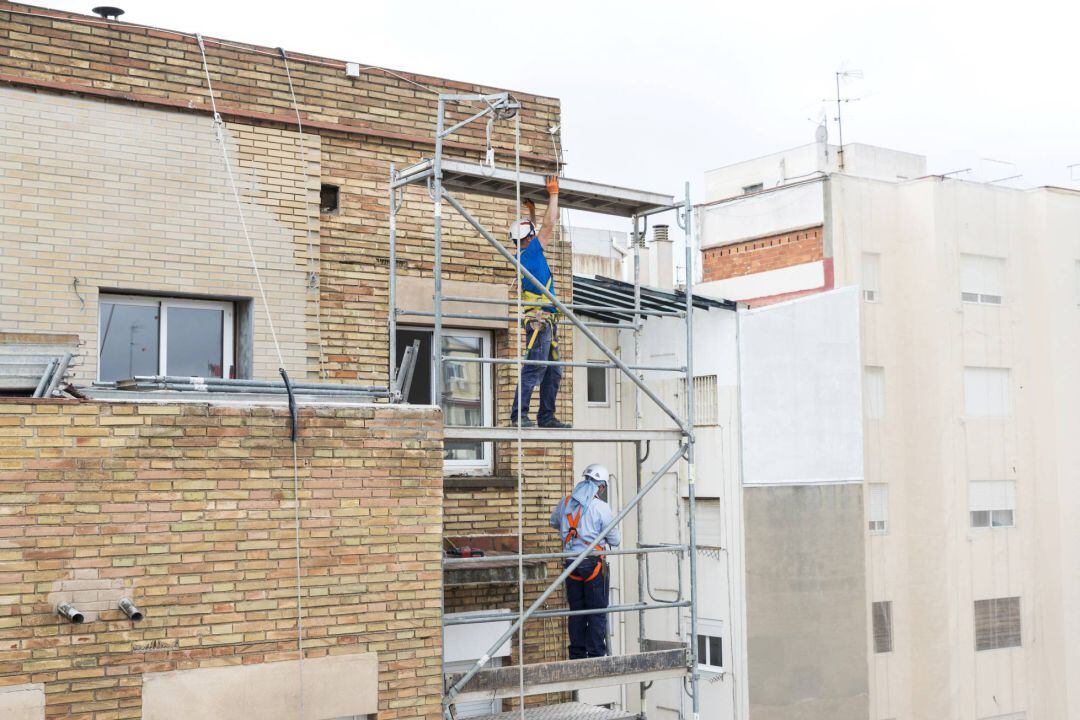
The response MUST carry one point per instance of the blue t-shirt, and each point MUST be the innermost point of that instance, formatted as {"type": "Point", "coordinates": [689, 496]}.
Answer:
{"type": "Point", "coordinates": [534, 260]}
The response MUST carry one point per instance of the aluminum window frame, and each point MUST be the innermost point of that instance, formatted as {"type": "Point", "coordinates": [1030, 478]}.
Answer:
{"type": "Point", "coordinates": [487, 386]}
{"type": "Point", "coordinates": [163, 303]}
{"type": "Point", "coordinates": [606, 402]}
{"type": "Point", "coordinates": [711, 628]}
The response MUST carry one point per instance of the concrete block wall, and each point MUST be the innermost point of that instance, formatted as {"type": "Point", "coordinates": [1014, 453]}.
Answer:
{"type": "Point", "coordinates": [762, 254]}
{"type": "Point", "coordinates": [188, 510]}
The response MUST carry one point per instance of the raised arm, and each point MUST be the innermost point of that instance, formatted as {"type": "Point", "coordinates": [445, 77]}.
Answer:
{"type": "Point", "coordinates": [551, 216]}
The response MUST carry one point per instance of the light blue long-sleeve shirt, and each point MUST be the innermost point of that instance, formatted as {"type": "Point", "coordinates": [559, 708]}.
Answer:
{"type": "Point", "coordinates": [593, 519]}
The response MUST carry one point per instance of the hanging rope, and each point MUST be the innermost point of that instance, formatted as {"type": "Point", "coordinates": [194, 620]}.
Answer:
{"type": "Point", "coordinates": [314, 269]}
{"type": "Point", "coordinates": [219, 133]}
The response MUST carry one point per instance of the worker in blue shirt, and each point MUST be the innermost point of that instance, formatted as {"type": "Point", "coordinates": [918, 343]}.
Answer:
{"type": "Point", "coordinates": [579, 518]}
{"type": "Point", "coordinates": [541, 341]}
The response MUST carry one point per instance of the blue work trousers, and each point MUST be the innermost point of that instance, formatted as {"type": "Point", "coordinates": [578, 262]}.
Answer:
{"type": "Point", "coordinates": [540, 343]}
{"type": "Point", "coordinates": [588, 633]}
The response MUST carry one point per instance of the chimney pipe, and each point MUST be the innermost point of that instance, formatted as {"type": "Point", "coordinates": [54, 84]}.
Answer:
{"type": "Point", "coordinates": [663, 255]}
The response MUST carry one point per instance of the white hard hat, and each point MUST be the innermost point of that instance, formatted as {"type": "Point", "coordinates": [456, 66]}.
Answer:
{"type": "Point", "coordinates": [597, 473]}
{"type": "Point", "coordinates": [521, 229]}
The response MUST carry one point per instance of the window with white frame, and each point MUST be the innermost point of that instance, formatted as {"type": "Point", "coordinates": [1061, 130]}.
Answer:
{"type": "Point", "coordinates": [881, 613]}
{"type": "Point", "coordinates": [878, 507]}
{"type": "Point", "coordinates": [997, 623]}
{"type": "Point", "coordinates": [871, 277]}
{"type": "Point", "coordinates": [986, 392]}
{"type": "Point", "coordinates": [596, 384]}
{"type": "Point", "coordinates": [874, 392]}
{"type": "Point", "coordinates": [710, 644]}
{"type": "Point", "coordinates": [467, 399]}
{"type": "Point", "coordinates": [992, 503]}
{"type": "Point", "coordinates": [145, 335]}
{"type": "Point", "coordinates": [754, 188]}
{"type": "Point", "coordinates": [982, 279]}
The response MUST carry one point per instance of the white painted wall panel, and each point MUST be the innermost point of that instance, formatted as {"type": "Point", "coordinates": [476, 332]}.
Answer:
{"type": "Point", "coordinates": [801, 406]}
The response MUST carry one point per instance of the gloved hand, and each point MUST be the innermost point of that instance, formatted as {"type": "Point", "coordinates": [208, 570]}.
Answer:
{"type": "Point", "coordinates": [529, 205]}
{"type": "Point", "coordinates": [552, 185]}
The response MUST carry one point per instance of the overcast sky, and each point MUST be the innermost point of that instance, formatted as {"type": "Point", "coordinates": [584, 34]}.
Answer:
{"type": "Point", "coordinates": [654, 93]}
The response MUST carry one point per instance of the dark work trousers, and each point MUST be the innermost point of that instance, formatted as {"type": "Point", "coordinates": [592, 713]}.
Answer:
{"type": "Point", "coordinates": [588, 633]}
{"type": "Point", "coordinates": [538, 339]}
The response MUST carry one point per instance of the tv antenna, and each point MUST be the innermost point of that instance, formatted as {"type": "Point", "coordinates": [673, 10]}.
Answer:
{"type": "Point", "coordinates": [840, 99]}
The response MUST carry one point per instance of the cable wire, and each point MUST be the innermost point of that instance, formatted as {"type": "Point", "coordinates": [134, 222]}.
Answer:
{"type": "Point", "coordinates": [220, 136]}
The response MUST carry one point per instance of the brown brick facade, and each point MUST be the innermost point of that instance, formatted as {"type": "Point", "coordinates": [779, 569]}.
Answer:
{"type": "Point", "coordinates": [362, 126]}
{"type": "Point", "coordinates": [762, 254]}
{"type": "Point", "coordinates": [188, 510]}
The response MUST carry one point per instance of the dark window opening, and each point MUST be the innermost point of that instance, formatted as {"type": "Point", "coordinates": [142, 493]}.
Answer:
{"type": "Point", "coordinates": [328, 198]}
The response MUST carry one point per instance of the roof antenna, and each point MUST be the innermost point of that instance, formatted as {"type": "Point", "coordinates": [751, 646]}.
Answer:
{"type": "Point", "coordinates": [108, 12]}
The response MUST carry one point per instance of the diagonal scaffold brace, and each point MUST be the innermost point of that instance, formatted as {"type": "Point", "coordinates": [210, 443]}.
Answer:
{"type": "Point", "coordinates": [582, 326]}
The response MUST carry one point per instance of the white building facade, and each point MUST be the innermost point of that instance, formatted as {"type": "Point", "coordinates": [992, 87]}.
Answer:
{"type": "Point", "coordinates": [970, 334]}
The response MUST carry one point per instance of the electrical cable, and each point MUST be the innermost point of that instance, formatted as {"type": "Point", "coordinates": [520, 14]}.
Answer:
{"type": "Point", "coordinates": [314, 266]}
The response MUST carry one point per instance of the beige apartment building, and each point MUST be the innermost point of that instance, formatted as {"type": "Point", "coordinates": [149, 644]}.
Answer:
{"type": "Point", "coordinates": [970, 334]}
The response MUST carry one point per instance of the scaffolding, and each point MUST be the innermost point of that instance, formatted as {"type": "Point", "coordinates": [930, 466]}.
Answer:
{"type": "Point", "coordinates": [444, 178]}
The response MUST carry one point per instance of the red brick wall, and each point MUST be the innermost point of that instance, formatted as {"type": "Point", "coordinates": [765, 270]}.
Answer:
{"type": "Point", "coordinates": [188, 510]}
{"type": "Point", "coordinates": [762, 254]}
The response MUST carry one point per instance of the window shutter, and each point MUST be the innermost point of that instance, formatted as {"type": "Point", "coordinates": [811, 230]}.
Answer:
{"type": "Point", "coordinates": [992, 495]}
{"type": "Point", "coordinates": [882, 616]}
{"type": "Point", "coordinates": [879, 502]}
{"type": "Point", "coordinates": [997, 623]}
{"type": "Point", "coordinates": [874, 392]}
{"type": "Point", "coordinates": [871, 281]}
{"type": "Point", "coordinates": [986, 392]}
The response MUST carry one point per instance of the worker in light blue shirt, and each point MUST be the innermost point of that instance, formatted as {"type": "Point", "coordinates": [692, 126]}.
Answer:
{"type": "Point", "coordinates": [580, 518]}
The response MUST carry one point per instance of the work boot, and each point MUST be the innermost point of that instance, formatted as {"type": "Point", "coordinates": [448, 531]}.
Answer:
{"type": "Point", "coordinates": [555, 424]}
{"type": "Point", "coordinates": [525, 422]}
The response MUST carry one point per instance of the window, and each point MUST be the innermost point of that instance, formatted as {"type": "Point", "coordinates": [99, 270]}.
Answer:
{"type": "Point", "coordinates": [707, 515]}
{"type": "Point", "coordinates": [882, 616]}
{"type": "Point", "coordinates": [871, 280]}
{"type": "Point", "coordinates": [474, 708]}
{"type": "Point", "coordinates": [878, 507]}
{"type": "Point", "coordinates": [997, 623]}
{"type": "Point", "coordinates": [992, 503]}
{"type": "Point", "coordinates": [467, 389]}
{"type": "Point", "coordinates": [874, 392]}
{"type": "Point", "coordinates": [982, 279]}
{"type": "Point", "coordinates": [710, 645]}
{"type": "Point", "coordinates": [143, 335]}
{"type": "Point", "coordinates": [329, 195]}
{"type": "Point", "coordinates": [986, 392]}
{"type": "Point", "coordinates": [597, 385]}
{"type": "Point", "coordinates": [756, 187]}
{"type": "Point", "coordinates": [706, 399]}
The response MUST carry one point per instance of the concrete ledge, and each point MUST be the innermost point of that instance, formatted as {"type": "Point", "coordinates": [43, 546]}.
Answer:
{"type": "Point", "coordinates": [23, 702]}
{"type": "Point", "coordinates": [334, 687]}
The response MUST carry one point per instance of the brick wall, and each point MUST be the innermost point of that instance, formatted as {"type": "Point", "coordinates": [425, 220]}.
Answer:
{"type": "Point", "coordinates": [188, 510]}
{"type": "Point", "coordinates": [762, 254]}
{"type": "Point", "coordinates": [105, 196]}
{"type": "Point", "coordinates": [363, 125]}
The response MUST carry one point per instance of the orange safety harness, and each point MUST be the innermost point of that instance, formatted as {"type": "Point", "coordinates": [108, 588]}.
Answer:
{"type": "Point", "coordinates": [573, 519]}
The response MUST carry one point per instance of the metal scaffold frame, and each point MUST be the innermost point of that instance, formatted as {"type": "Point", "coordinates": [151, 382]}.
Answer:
{"type": "Point", "coordinates": [618, 201]}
